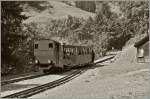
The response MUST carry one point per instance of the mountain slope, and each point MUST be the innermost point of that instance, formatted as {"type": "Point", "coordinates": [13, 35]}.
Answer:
{"type": "Point", "coordinates": [58, 10]}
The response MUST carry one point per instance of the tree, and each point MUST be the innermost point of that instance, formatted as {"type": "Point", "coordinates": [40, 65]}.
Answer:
{"type": "Point", "coordinates": [11, 30]}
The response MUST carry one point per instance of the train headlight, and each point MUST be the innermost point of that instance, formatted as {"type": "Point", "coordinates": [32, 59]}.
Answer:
{"type": "Point", "coordinates": [36, 61]}
{"type": "Point", "coordinates": [49, 61]}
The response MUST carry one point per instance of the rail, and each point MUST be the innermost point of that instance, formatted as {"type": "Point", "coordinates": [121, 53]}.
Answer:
{"type": "Point", "coordinates": [41, 88]}
{"type": "Point", "coordinates": [20, 79]}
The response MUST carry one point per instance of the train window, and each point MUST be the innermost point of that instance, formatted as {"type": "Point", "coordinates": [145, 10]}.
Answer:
{"type": "Point", "coordinates": [69, 51]}
{"type": "Point", "coordinates": [79, 51]}
{"type": "Point", "coordinates": [82, 51]}
{"type": "Point", "coordinates": [64, 52]}
{"type": "Point", "coordinates": [76, 51]}
{"type": "Point", "coordinates": [85, 50]}
{"type": "Point", "coordinates": [36, 46]}
{"type": "Point", "coordinates": [72, 51]}
{"type": "Point", "coordinates": [88, 50]}
{"type": "Point", "coordinates": [50, 45]}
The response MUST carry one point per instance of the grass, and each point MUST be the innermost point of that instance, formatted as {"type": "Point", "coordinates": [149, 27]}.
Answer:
{"type": "Point", "coordinates": [58, 10]}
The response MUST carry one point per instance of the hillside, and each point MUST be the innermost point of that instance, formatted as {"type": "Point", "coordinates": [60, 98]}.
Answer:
{"type": "Point", "coordinates": [57, 10]}
{"type": "Point", "coordinates": [112, 23]}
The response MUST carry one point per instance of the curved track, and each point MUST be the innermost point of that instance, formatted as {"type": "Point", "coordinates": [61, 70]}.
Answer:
{"type": "Point", "coordinates": [41, 88]}
{"type": "Point", "coordinates": [38, 89]}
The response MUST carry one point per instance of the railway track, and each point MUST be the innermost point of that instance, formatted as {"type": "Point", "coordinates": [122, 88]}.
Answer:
{"type": "Point", "coordinates": [20, 79]}
{"type": "Point", "coordinates": [41, 88]}
{"type": "Point", "coordinates": [29, 92]}
{"type": "Point", "coordinates": [35, 76]}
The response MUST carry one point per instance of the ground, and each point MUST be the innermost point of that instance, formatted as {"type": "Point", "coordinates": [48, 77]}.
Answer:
{"type": "Point", "coordinates": [122, 79]}
{"type": "Point", "coordinates": [30, 83]}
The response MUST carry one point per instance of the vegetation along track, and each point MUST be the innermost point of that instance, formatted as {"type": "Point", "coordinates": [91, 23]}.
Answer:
{"type": "Point", "coordinates": [41, 88]}
{"type": "Point", "coordinates": [20, 79]}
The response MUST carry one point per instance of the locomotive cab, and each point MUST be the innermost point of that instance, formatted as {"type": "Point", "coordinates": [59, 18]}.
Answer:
{"type": "Point", "coordinates": [46, 54]}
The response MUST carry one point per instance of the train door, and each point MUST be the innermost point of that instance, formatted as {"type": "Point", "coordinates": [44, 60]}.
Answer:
{"type": "Point", "coordinates": [57, 53]}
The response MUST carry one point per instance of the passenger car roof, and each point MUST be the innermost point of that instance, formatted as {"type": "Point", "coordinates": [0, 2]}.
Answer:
{"type": "Point", "coordinates": [46, 39]}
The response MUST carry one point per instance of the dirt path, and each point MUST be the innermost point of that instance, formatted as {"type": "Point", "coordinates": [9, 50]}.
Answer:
{"type": "Point", "coordinates": [12, 76]}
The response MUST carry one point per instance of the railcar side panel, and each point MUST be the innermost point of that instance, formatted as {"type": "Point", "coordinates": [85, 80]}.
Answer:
{"type": "Point", "coordinates": [76, 55]}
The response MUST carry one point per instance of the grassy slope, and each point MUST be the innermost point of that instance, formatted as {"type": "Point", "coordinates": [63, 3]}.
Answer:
{"type": "Point", "coordinates": [59, 10]}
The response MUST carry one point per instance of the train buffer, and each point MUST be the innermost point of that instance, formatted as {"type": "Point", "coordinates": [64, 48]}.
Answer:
{"type": "Point", "coordinates": [103, 59]}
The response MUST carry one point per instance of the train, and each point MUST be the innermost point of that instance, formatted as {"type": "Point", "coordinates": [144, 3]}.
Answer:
{"type": "Point", "coordinates": [51, 55]}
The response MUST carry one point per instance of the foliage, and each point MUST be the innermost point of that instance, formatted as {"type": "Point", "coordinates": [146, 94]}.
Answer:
{"type": "Point", "coordinates": [12, 36]}
{"type": "Point", "coordinates": [121, 29]}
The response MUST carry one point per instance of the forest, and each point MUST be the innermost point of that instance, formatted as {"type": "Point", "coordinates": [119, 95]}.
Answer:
{"type": "Point", "coordinates": [106, 31]}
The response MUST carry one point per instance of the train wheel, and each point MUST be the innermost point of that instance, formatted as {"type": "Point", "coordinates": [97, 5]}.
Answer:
{"type": "Point", "coordinates": [67, 67]}
{"type": "Point", "coordinates": [52, 70]}
{"type": "Point", "coordinates": [45, 71]}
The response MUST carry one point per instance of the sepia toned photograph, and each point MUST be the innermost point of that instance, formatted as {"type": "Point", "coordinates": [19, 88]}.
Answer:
{"type": "Point", "coordinates": [75, 49]}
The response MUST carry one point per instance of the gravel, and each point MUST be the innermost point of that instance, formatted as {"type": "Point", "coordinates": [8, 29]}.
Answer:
{"type": "Point", "coordinates": [12, 76]}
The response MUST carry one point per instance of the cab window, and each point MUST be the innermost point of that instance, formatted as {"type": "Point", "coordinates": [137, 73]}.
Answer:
{"type": "Point", "coordinates": [50, 45]}
{"type": "Point", "coordinates": [36, 46]}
